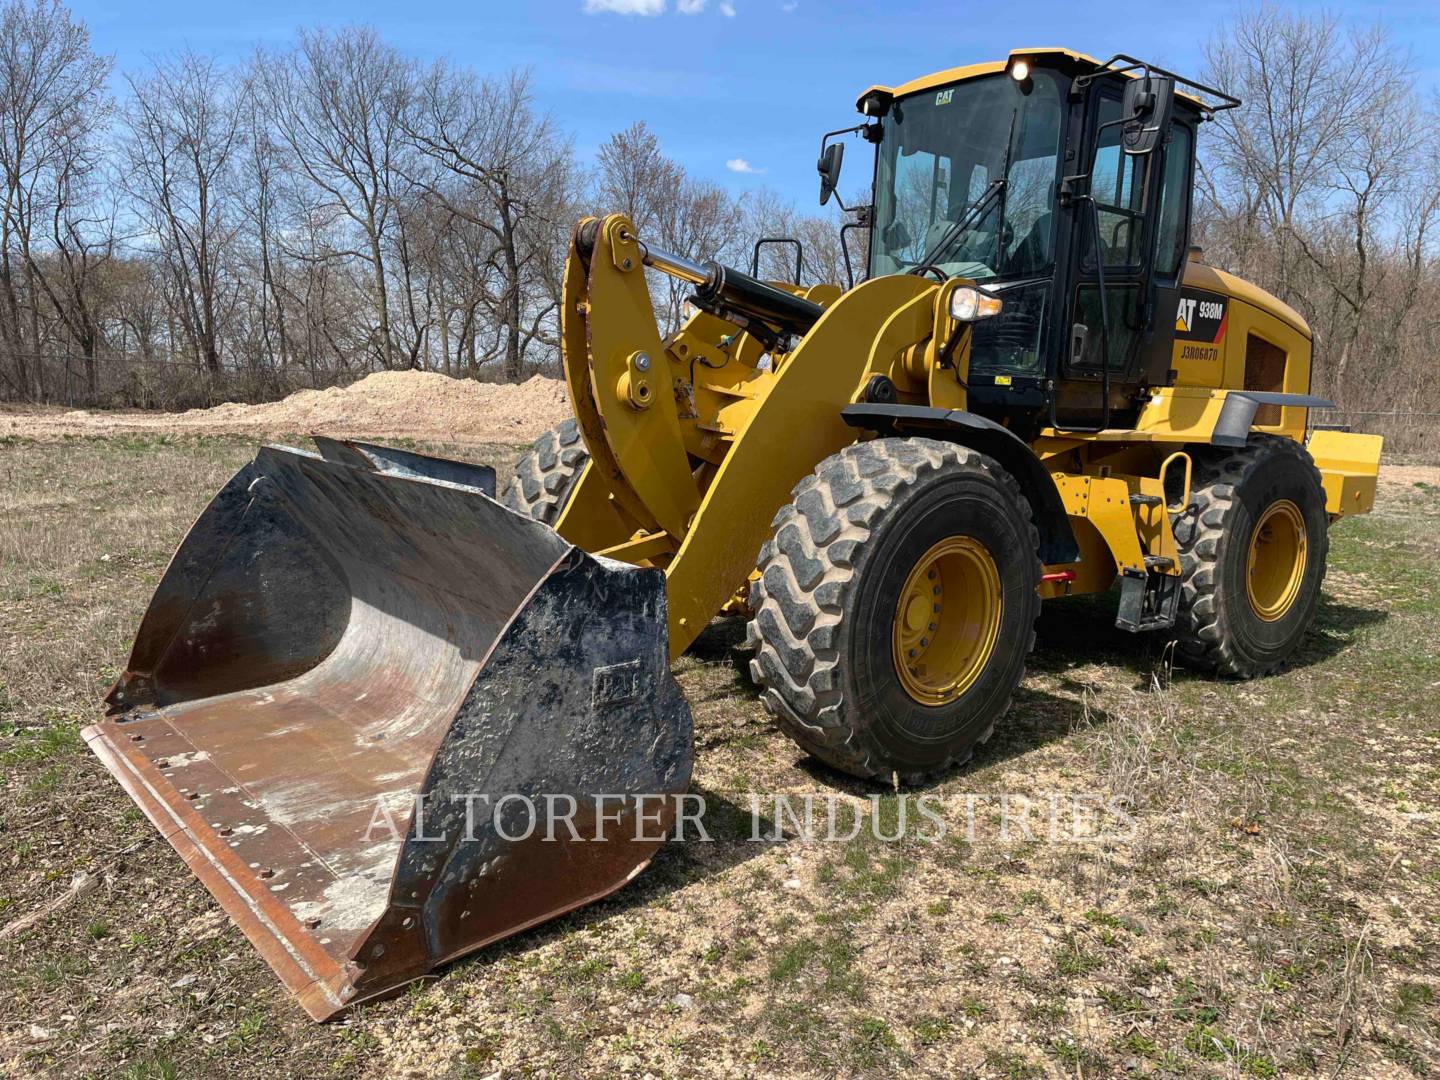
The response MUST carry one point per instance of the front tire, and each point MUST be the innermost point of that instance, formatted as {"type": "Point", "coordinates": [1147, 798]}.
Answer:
{"type": "Point", "coordinates": [859, 667]}
{"type": "Point", "coordinates": [1253, 545]}
{"type": "Point", "coordinates": [546, 474]}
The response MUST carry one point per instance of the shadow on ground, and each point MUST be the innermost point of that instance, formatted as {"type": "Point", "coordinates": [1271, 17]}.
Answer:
{"type": "Point", "coordinates": [1072, 634]}
{"type": "Point", "coordinates": [1081, 630]}
{"type": "Point", "coordinates": [1337, 626]}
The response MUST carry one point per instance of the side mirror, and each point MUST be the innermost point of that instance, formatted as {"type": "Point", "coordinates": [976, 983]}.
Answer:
{"type": "Point", "coordinates": [829, 166]}
{"type": "Point", "coordinates": [1146, 111]}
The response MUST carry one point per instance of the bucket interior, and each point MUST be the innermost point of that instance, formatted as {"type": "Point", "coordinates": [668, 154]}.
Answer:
{"type": "Point", "coordinates": [301, 662]}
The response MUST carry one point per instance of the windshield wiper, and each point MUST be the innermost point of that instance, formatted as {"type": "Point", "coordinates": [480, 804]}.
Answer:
{"type": "Point", "coordinates": [961, 225]}
{"type": "Point", "coordinates": [972, 215]}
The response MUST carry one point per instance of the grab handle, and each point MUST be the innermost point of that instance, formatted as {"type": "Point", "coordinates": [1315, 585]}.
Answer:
{"type": "Point", "coordinates": [1164, 470]}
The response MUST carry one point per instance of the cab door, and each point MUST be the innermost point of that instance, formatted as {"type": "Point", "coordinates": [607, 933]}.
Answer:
{"type": "Point", "coordinates": [1141, 205]}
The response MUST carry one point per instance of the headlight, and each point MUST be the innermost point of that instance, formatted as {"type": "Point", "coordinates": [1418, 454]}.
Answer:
{"type": "Point", "coordinates": [968, 304]}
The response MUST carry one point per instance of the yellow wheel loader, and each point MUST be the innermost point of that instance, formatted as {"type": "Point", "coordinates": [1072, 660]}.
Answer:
{"type": "Point", "coordinates": [387, 719]}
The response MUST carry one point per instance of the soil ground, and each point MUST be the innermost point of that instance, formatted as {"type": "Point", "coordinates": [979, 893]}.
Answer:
{"type": "Point", "coordinates": [1272, 912]}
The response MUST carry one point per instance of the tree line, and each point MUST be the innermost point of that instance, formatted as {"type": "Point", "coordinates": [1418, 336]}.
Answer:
{"type": "Point", "coordinates": [1324, 188]}
{"type": "Point", "coordinates": [334, 207]}
{"type": "Point", "coordinates": [311, 215]}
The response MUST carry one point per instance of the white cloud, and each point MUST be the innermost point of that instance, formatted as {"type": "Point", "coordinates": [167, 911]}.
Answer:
{"type": "Point", "coordinates": [727, 9]}
{"type": "Point", "coordinates": [625, 7]}
{"type": "Point", "coordinates": [740, 165]}
{"type": "Point", "coordinates": [788, 8]}
{"type": "Point", "coordinates": [690, 7]}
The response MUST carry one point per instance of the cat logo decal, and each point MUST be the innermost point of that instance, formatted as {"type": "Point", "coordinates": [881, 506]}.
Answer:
{"type": "Point", "coordinates": [1200, 316]}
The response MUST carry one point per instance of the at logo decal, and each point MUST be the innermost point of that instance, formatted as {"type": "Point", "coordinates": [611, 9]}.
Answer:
{"type": "Point", "coordinates": [1200, 316]}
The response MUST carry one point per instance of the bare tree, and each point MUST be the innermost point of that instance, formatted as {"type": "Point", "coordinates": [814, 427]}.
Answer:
{"type": "Point", "coordinates": [338, 105]}
{"type": "Point", "coordinates": [506, 172]}
{"type": "Point", "coordinates": [83, 242]}
{"type": "Point", "coordinates": [51, 84]}
{"type": "Point", "coordinates": [185, 136]}
{"type": "Point", "coordinates": [263, 208]}
{"type": "Point", "coordinates": [693, 218]}
{"type": "Point", "coordinates": [824, 260]}
{"type": "Point", "coordinates": [1318, 187]}
{"type": "Point", "coordinates": [634, 178]}
{"type": "Point", "coordinates": [1309, 92]}
{"type": "Point", "coordinates": [1372, 172]}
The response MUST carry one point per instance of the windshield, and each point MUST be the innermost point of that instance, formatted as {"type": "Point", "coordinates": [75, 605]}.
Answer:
{"type": "Point", "coordinates": [942, 152]}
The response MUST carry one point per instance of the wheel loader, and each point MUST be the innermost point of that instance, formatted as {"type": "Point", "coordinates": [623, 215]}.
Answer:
{"type": "Point", "coordinates": [362, 672]}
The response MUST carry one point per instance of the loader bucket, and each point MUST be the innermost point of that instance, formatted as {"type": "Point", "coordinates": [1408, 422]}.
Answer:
{"type": "Point", "coordinates": [360, 683]}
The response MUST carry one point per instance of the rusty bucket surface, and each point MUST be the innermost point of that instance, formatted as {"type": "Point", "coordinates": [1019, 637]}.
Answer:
{"type": "Point", "coordinates": [343, 634]}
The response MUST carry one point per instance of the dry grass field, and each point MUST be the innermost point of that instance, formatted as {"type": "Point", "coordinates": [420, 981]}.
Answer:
{"type": "Point", "coordinates": [1273, 912]}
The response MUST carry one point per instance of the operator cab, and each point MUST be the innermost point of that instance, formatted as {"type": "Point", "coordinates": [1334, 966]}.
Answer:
{"type": "Point", "coordinates": [1001, 173]}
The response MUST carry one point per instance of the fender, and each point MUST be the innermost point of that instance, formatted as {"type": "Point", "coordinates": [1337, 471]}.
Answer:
{"type": "Point", "coordinates": [1238, 412]}
{"type": "Point", "coordinates": [1057, 539]}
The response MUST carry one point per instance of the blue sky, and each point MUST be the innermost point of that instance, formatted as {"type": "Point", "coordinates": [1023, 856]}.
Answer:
{"type": "Point", "coordinates": [756, 80]}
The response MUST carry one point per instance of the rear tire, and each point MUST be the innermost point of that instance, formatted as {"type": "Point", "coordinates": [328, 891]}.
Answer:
{"type": "Point", "coordinates": [1253, 546]}
{"type": "Point", "coordinates": [829, 627]}
{"type": "Point", "coordinates": [546, 474]}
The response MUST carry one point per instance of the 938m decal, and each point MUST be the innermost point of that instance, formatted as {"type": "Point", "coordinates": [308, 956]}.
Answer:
{"type": "Point", "coordinates": [1200, 318]}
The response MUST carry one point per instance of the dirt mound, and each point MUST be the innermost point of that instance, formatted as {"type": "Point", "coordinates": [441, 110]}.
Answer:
{"type": "Point", "coordinates": [419, 404]}
{"type": "Point", "coordinates": [406, 401]}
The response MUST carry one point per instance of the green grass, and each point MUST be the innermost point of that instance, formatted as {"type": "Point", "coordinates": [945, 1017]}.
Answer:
{"type": "Point", "coordinates": [1415, 1005]}
{"type": "Point", "coordinates": [56, 735]}
{"type": "Point", "coordinates": [931, 1030]}
{"type": "Point", "coordinates": [1072, 958]}
{"type": "Point", "coordinates": [1204, 1041]}
{"type": "Point", "coordinates": [873, 1044]}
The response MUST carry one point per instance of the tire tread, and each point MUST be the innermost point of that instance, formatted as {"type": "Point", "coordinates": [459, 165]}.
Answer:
{"type": "Point", "coordinates": [545, 474]}
{"type": "Point", "coordinates": [807, 576]}
{"type": "Point", "coordinates": [1200, 641]}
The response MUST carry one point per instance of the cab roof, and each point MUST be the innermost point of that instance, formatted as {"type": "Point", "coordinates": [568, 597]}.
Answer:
{"type": "Point", "coordinates": [1080, 62]}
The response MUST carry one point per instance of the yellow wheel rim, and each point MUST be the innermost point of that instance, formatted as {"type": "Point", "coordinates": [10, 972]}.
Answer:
{"type": "Point", "coordinates": [1276, 564]}
{"type": "Point", "coordinates": [946, 621]}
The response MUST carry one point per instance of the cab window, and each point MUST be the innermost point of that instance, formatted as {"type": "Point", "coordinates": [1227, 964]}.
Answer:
{"type": "Point", "coordinates": [1174, 203]}
{"type": "Point", "coordinates": [1115, 182]}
